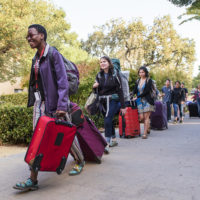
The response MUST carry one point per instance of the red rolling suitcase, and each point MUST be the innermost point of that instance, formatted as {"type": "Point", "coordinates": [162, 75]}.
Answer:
{"type": "Point", "coordinates": [129, 125]}
{"type": "Point", "coordinates": [50, 145]}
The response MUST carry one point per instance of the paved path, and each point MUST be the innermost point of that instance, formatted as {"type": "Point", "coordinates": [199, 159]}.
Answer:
{"type": "Point", "coordinates": [166, 166]}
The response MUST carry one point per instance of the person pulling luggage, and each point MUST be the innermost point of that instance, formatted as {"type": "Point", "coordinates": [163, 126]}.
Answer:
{"type": "Point", "coordinates": [47, 96]}
{"type": "Point", "coordinates": [166, 97]}
{"type": "Point", "coordinates": [108, 85]}
{"type": "Point", "coordinates": [178, 99]}
{"type": "Point", "coordinates": [197, 98]}
{"type": "Point", "coordinates": [145, 100]}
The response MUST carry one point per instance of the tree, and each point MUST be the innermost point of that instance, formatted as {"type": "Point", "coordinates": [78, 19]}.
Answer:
{"type": "Point", "coordinates": [159, 46]}
{"type": "Point", "coordinates": [15, 17]}
{"type": "Point", "coordinates": [193, 11]}
{"type": "Point", "coordinates": [196, 80]}
{"type": "Point", "coordinates": [182, 2]}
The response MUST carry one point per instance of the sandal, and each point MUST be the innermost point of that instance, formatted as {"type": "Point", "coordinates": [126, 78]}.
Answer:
{"type": "Point", "coordinates": [26, 186]}
{"type": "Point", "coordinates": [76, 169]}
{"type": "Point", "coordinates": [144, 136]}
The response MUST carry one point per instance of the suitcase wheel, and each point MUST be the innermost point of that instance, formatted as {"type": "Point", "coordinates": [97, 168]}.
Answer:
{"type": "Point", "coordinates": [59, 171]}
{"type": "Point", "coordinates": [98, 160]}
{"type": "Point", "coordinates": [62, 165]}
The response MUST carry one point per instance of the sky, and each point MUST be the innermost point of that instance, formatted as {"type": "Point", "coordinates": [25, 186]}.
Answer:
{"type": "Point", "coordinates": [84, 15]}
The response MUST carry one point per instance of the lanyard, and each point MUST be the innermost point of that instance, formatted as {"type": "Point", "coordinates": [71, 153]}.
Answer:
{"type": "Point", "coordinates": [37, 68]}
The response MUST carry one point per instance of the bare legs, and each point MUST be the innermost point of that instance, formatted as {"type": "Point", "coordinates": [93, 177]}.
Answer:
{"type": "Point", "coordinates": [33, 175]}
{"type": "Point", "coordinates": [144, 117]}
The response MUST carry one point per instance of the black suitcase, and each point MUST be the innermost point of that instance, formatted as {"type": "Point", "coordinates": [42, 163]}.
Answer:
{"type": "Point", "coordinates": [193, 109]}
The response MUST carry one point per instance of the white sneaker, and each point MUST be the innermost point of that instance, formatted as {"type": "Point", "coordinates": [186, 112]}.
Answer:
{"type": "Point", "coordinates": [106, 150]}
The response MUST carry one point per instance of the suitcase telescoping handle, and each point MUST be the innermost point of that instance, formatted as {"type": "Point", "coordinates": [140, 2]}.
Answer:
{"type": "Point", "coordinates": [133, 104]}
{"type": "Point", "coordinates": [123, 125]}
{"type": "Point", "coordinates": [65, 123]}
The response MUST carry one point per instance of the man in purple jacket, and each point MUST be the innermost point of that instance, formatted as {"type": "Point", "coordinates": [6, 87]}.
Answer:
{"type": "Point", "coordinates": [47, 95]}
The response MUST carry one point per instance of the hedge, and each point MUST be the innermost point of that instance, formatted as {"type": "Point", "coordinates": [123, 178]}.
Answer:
{"type": "Point", "coordinates": [15, 124]}
{"type": "Point", "coordinates": [15, 99]}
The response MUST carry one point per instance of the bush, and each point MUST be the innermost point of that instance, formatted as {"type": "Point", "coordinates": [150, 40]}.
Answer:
{"type": "Point", "coordinates": [15, 124]}
{"type": "Point", "coordinates": [15, 99]}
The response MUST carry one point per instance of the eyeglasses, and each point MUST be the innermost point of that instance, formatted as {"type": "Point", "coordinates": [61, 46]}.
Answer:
{"type": "Point", "coordinates": [31, 36]}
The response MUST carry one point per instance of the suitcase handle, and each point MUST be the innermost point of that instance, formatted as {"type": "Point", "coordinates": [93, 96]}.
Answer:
{"type": "Point", "coordinates": [65, 123]}
{"type": "Point", "coordinates": [133, 104]}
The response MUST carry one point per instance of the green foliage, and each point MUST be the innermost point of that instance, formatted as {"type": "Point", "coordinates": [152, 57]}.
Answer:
{"type": "Point", "coordinates": [193, 12]}
{"type": "Point", "coordinates": [182, 2]}
{"type": "Point", "coordinates": [132, 79]}
{"type": "Point", "coordinates": [15, 124]}
{"type": "Point", "coordinates": [193, 9]}
{"type": "Point", "coordinates": [159, 47]}
{"type": "Point", "coordinates": [15, 99]}
{"type": "Point", "coordinates": [15, 17]}
{"type": "Point", "coordinates": [196, 80]}
{"type": "Point", "coordinates": [88, 75]}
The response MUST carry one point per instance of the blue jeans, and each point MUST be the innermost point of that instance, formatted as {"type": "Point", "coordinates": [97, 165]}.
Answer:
{"type": "Point", "coordinates": [198, 105]}
{"type": "Point", "coordinates": [168, 110]}
{"type": "Point", "coordinates": [114, 108]}
{"type": "Point", "coordinates": [176, 108]}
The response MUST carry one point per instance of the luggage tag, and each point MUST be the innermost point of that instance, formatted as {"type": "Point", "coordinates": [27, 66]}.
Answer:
{"type": "Point", "coordinates": [37, 96]}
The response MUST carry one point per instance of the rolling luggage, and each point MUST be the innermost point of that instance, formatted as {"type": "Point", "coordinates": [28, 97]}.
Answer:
{"type": "Point", "coordinates": [129, 125]}
{"type": "Point", "coordinates": [91, 141]}
{"type": "Point", "coordinates": [50, 145]}
{"type": "Point", "coordinates": [193, 109]}
{"type": "Point", "coordinates": [77, 116]}
{"type": "Point", "coordinates": [158, 119]}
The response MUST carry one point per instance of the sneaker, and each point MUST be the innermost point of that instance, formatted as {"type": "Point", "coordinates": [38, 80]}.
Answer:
{"type": "Point", "coordinates": [175, 122]}
{"type": "Point", "coordinates": [113, 144]}
{"type": "Point", "coordinates": [26, 186]}
{"type": "Point", "coordinates": [181, 121]}
{"type": "Point", "coordinates": [106, 150]}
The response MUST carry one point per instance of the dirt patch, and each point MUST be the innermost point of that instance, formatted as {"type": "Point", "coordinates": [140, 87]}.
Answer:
{"type": "Point", "coordinates": [7, 150]}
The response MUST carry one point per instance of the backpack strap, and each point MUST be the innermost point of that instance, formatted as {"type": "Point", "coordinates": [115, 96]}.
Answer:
{"type": "Point", "coordinates": [50, 52]}
{"type": "Point", "coordinates": [116, 75]}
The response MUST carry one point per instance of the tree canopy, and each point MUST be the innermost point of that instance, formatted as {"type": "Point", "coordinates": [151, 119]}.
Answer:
{"type": "Point", "coordinates": [15, 17]}
{"type": "Point", "coordinates": [192, 11]}
{"type": "Point", "coordinates": [159, 46]}
{"type": "Point", "coordinates": [182, 2]}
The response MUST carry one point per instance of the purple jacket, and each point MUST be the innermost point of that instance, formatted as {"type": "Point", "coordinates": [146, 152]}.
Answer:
{"type": "Point", "coordinates": [55, 93]}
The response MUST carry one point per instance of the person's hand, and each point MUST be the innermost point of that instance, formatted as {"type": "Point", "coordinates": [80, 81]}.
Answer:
{"type": "Point", "coordinates": [96, 85]}
{"type": "Point", "coordinates": [60, 114]}
{"type": "Point", "coordinates": [134, 99]}
{"type": "Point", "coordinates": [123, 111]}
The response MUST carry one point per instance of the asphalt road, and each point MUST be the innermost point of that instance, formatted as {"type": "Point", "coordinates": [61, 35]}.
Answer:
{"type": "Point", "coordinates": [166, 166]}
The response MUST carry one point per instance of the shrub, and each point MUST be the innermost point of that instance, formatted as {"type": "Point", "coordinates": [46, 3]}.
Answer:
{"type": "Point", "coordinates": [15, 99]}
{"type": "Point", "coordinates": [15, 124]}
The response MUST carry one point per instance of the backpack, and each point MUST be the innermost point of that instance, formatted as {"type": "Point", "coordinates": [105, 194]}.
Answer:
{"type": "Point", "coordinates": [154, 94]}
{"type": "Point", "coordinates": [71, 70]}
{"type": "Point", "coordinates": [124, 75]}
